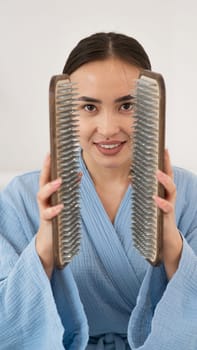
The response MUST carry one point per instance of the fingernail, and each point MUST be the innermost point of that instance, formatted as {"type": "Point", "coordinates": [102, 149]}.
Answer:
{"type": "Point", "coordinates": [129, 177]}
{"type": "Point", "coordinates": [156, 199]}
{"type": "Point", "coordinates": [79, 177]}
{"type": "Point", "coordinates": [57, 182]}
{"type": "Point", "coordinates": [47, 157]}
{"type": "Point", "coordinates": [159, 172]}
{"type": "Point", "coordinates": [58, 208]}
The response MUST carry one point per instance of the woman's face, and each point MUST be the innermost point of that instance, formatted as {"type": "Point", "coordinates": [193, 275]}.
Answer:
{"type": "Point", "coordinates": [106, 109]}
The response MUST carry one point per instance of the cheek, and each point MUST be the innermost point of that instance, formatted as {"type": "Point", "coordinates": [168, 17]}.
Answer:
{"type": "Point", "coordinates": [85, 130]}
{"type": "Point", "coordinates": [128, 126]}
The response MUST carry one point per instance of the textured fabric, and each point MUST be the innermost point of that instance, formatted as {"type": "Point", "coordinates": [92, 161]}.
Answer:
{"type": "Point", "coordinates": [127, 303]}
{"type": "Point", "coordinates": [29, 313]}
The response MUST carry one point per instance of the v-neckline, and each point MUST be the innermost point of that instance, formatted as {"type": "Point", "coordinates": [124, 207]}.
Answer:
{"type": "Point", "coordinates": [106, 241]}
{"type": "Point", "coordinates": [126, 197]}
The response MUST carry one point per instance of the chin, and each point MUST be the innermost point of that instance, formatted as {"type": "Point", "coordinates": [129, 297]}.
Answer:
{"type": "Point", "coordinates": [114, 164]}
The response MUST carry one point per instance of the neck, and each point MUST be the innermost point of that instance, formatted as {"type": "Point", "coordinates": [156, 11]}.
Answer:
{"type": "Point", "coordinates": [105, 176]}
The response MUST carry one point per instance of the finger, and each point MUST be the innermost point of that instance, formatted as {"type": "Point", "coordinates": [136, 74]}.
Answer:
{"type": "Point", "coordinates": [79, 176]}
{"type": "Point", "coordinates": [164, 205]}
{"type": "Point", "coordinates": [45, 172]}
{"type": "Point", "coordinates": [167, 164]}
{"type": "Point", "coordinates": [51, 212]}
{"type": "Point", "coordinates": [47, 190]}
{"type": "Point", "coordinates": [168, 184]}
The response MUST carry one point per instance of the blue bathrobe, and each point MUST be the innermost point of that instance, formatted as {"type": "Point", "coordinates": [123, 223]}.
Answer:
{"type": "Point", "coordinates": [109, 297]}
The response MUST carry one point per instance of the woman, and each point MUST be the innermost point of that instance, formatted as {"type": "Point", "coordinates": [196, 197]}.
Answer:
{"type": "Point", "coordinates": [108, 297]}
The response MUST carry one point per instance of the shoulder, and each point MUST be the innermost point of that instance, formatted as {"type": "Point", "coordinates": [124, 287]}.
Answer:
{"type": "Point", "coordinates": [182, 172]}
{"type": "Point", "coordinates": [25, 185]}
{"type": "Point", "coordinates": [19, 214]}
{"type": "Point", "coordinates": [186, 208]}
{"type": "Point", "coordinates": [25, 178]}
{"type": "Point", "coordinates": [186, 185]}
{"type": "Point", "coordinates": [184, 178]}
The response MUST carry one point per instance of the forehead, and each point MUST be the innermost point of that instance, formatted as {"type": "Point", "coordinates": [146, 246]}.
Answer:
{"type": "Point", "coordinates": [112, 77]}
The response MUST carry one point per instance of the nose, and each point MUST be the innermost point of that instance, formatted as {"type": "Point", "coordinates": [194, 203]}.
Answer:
{"type": "Point", "coordinates": [108, 125]}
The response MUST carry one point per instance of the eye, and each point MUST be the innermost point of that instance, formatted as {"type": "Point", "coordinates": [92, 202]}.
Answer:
{"type": "Point", "coordinates": [127, 107]}
{"type": "Point", "coordinates": [89, 108]}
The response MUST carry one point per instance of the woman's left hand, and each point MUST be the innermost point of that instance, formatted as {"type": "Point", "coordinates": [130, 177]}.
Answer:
{"type": "Point", "coordinates": [172, 241]}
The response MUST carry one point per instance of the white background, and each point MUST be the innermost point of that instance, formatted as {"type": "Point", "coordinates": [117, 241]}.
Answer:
{"type": "Point", "coordinates": [37, 35]}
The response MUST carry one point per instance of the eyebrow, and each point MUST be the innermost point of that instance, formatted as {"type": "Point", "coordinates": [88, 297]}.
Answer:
{"type": "Point", "coordinates": [124, 98]}
{"type": "Point", "coordinates": [95, 100]}
{"type": "Point", "coordinates": [89, 99]}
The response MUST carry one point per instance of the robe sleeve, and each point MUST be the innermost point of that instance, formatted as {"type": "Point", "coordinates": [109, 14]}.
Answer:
{"type": "Point", "coordinates": [29, 317]}
{"type": "Point", "coordinates": [165, 315]}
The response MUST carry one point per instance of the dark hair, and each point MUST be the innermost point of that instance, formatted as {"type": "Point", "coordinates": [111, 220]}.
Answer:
{"type": "Point", "coordinates": [100, 46]}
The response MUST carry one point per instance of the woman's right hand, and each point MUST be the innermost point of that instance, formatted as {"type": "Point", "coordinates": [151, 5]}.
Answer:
{"type": "Point", "coordinates": [44, 239]}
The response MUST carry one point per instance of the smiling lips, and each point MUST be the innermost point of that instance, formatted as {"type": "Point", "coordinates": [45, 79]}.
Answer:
{"type": "Point", "coordinates": [109, 147]}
